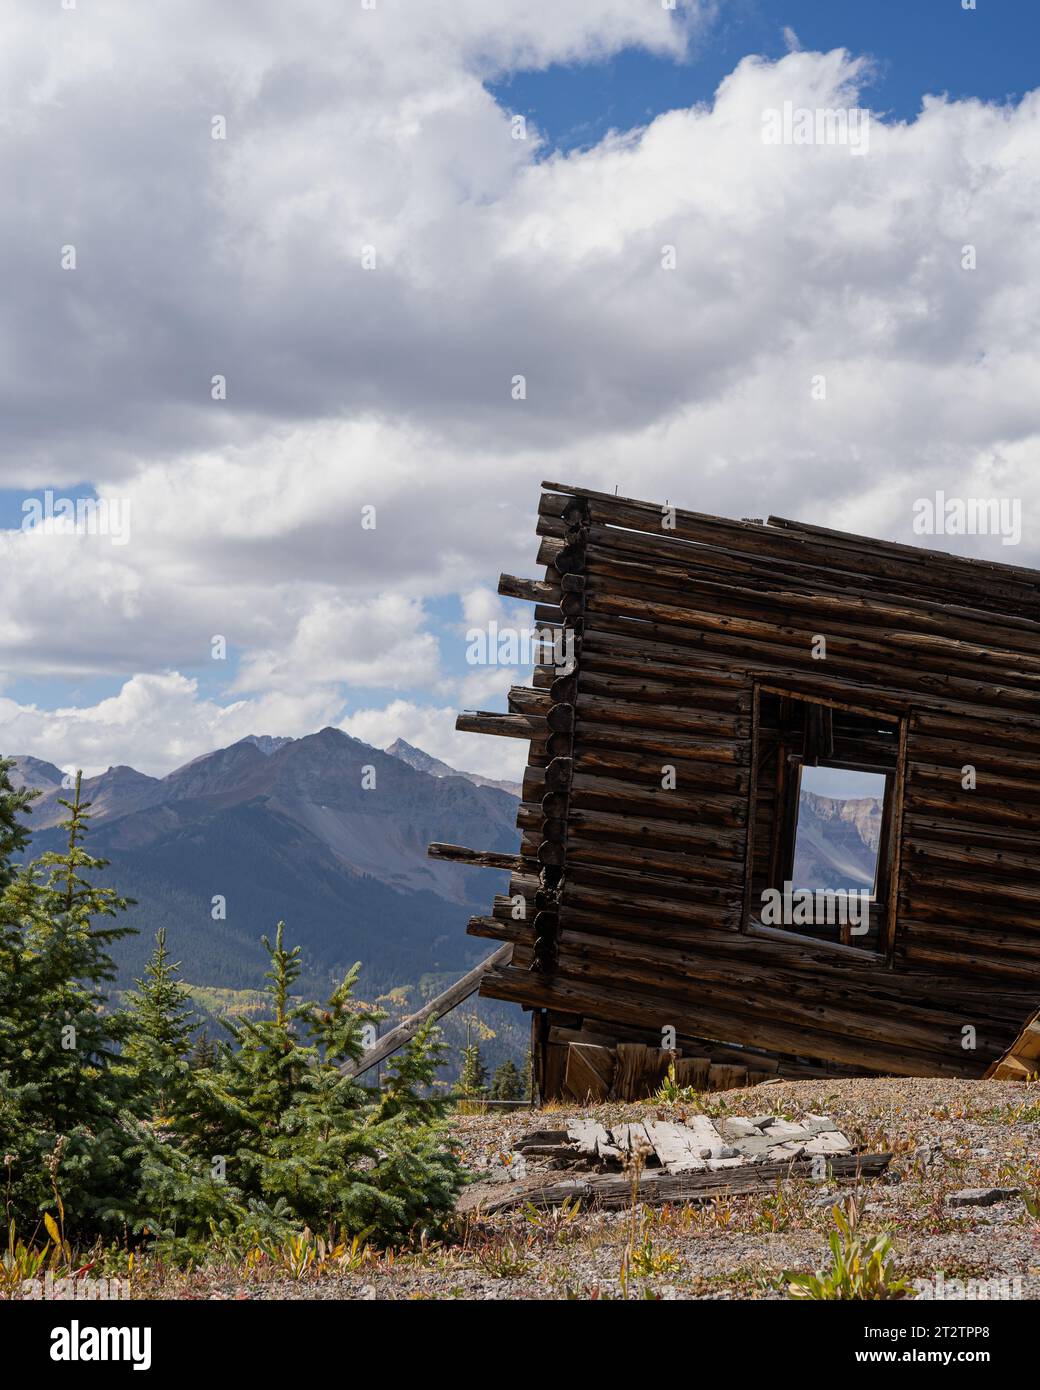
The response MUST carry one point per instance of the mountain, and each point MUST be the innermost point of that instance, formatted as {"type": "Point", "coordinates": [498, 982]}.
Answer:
{"type": "Point", "coordinates": [424, 762]}
{"type": "Point", "coordinates": [837, 841]}
{"type": "Point", "coordinates": [288, 829]}
{"type": "Point", "coordinates": [33, 772]}
{"type": "Point", "coordinates": [267, 743]}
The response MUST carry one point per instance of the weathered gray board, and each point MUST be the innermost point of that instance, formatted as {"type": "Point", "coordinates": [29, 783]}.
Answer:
{"type": "Point", "coordinates": [436, 1008]}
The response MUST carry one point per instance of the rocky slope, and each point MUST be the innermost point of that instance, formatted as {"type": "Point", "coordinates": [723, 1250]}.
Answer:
{"type": "Point", "coordinates": [837, 842]}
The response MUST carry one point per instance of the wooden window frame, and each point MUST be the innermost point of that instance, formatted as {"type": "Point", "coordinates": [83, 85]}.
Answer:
{"type": "Point", "coordinates": [886, 883]}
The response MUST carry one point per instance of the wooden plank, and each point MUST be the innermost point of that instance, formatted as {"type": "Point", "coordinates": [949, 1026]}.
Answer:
{"type": "Point", "coordinates": [588, 1072]}
{"type": "Point", "coordinates": [657, 1186]}
{"type": "Point", "coordinates": [588, 1135]}
{"type": "Point", "coordinates": [640, 1070]}
{"type": "Point", "coordinates": [436, 1008]}
{"type": "Point", "coordinates": [1022, 1059]}
{"type": "Point", "coordinates": [677, 1147]}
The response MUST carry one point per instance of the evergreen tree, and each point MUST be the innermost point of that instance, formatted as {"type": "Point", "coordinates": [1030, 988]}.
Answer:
{"type": "Point", "coordinates": [418, 1175]}
{"type": "Point", "coordinates": [527, 1079]}
{"type": "Point", "coordinates": [14, 836]}
{"type": "Point", "coordinates": [506, 1084]}
{"type": "Point", "coordinates": [296, 1138]}
{"type": "Point", "coordinates": [159, 1040]}
{"type": "Point", "coordinates": [204, 1053]}
{"type": "Point", "coordinates": [58, 1043]}
{"type": "Point", "coordinates": [472, 1074]}
{"type": "Point", "coordinates": [104, 1122]}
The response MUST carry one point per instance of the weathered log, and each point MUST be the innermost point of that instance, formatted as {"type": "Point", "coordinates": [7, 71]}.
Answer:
{"type": "Point", "coordinates": [479, 858]}
{"type": "Point", "coordinates": [501, 725]}
{"type": "Point", "coordinates": [656, 1186]}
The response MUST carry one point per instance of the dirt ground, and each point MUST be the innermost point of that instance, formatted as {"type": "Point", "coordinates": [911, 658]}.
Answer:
{"type": "Point", "coordinates": [945, 1136]}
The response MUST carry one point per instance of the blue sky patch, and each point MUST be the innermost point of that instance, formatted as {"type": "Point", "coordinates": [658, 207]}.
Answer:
{"type": "Point", "coordinates": [918, 49]}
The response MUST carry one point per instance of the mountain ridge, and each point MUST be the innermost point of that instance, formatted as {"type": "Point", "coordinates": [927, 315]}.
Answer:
{"type": "Point", "coordinates": [324, 831]}
{"type": "Point", "coordinates": [425, 762]}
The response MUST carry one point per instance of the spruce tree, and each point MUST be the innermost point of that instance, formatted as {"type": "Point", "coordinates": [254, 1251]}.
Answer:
{"type": "Point", "coordinates": [506, 1084]}
{"type": "Point", "coordinates": [204, 1053]}
{"type": "Point", "coordinates": [105, 1123]}
{"type": "Point", "coordinates": [14, 835]}
{"type": "Point", "coordinates": [527, 1078]}
{"type": "Point", "coordinates": [58, 1041]}
{"type": "Point", "coordinates": [160, 1017]}
{"type": "Point", "coordinates": [472, 1074]}
{"type": "Point", "coordinates": [297, 1139]}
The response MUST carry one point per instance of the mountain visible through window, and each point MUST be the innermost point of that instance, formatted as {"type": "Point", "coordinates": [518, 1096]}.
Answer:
{"type": "Point", "coordinates": [839, 829]}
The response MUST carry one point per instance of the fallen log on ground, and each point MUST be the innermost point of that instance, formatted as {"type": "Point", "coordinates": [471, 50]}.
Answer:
{"type": "Point", "coordinates": [655, 1187]}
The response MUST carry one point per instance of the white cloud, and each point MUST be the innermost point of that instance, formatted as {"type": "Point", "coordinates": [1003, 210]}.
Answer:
{"type": "Point", "coordinates": [487, 686]}
{"type": "Point", "coordinates": [483, 606]}
{"type": "Point", "coordinates": [373, 643]}
{"type": "Point", "coordinates": [390, 387]}
{"type": "Point", "coordinates": [156, 723]}
{"type": "Point", "coordinates": [433, 730]}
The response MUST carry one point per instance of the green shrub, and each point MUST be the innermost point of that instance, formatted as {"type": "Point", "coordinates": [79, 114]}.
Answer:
{"type": "Point", "coordinates": [108, 1119]}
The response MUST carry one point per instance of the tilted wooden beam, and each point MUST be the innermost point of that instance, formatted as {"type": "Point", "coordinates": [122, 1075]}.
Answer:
{"type": "Point", "coordinates": [504, 725]}
{"type": "Point", "coordinates": [480, 858]}
{"type": "Point", "coordinates": [531, 590]}
{"type": "Point", "coordinates": [436, 1008]}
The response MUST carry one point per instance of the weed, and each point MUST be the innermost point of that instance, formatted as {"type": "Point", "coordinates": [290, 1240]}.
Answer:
{"type": "Point", "coordinates": [721, 1212]}
{"type": "Point", "coordinates": [557, 1224]}
{"type": "Point", "coordinates": [861, 1267]}
{"type": "Point", "coordinates": [774, 1214]}
{"type": "Point", "coordinates": [644, 1261]}
{"type": "Point", "coordinates": [671, 1093]}
{"type": "Point", "coordinates": [504, 1257]}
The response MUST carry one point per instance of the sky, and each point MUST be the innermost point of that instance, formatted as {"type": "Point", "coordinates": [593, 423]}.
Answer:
{"type": "Point", "coordinates": [272, 274]}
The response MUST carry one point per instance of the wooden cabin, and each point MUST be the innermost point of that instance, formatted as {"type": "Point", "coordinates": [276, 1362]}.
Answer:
{"type": "Point", "coordinates": [712, 662]}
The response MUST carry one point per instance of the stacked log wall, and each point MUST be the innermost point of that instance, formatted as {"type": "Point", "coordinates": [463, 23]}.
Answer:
{"type": "Point", "coordinates": [637, 895]}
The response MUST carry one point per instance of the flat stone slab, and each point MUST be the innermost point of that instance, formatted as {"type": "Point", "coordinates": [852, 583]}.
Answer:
{"type": "Point", "coordinates": [981, 1196]}
{"type": "Point", "coordinates": [707, 1138]}
{"type": "Point", "coordinates": [631, 1139]}
{"type": "Point", "coordinates": [783, 1132]}
{"type": "Point", "coordinates": [736, 1129]}
{"type": "Point", "coordinates": [791, 1149]}
{"type": "Point", "coordinates": [820, 1124]}
{"type": "Point", "coordinates": [828, 1142]}
{"type": "Point", "coordinates": [678, 1149]}
{"type": "Point", "coordinates": [755, 1146]}
{"type": "Point", "coordinates": [586, 1134]}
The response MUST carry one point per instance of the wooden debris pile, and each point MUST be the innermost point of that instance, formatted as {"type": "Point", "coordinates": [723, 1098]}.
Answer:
{"type": "Point", "coordinates": [697, 1145]}
{"type": "Point", "coordinates": [658, 1161]}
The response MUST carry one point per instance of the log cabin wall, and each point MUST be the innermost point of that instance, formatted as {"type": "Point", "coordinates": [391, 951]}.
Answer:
{"type": "Point", "coordinates": [638, 900]}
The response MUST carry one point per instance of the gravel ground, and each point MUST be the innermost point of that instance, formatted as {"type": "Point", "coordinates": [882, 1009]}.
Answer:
{"type": "Point", "coordinates": [945, 1135]}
